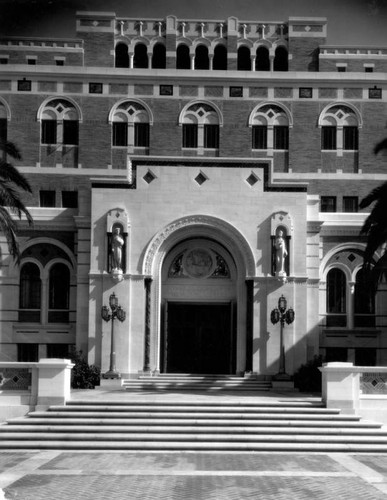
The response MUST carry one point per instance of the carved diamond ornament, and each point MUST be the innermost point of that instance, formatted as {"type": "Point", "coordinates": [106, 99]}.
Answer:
{"type": "Point", "coordinates": [252, 179]}
{"type": "Point", "coordinates": [201, 178]}
{"type": "Point", "coordinates": [373, 383]}
{"type": "Point", "coordinates": [149, 177]}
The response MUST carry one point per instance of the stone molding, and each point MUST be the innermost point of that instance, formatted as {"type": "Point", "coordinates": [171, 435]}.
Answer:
{"type": "Point", "coordinates": [198, 220]}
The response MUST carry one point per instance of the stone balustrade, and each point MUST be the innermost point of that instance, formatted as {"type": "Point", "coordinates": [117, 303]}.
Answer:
{"type": "Point", "coordinates": [30, 386]}
{"type": "Point", "coordinates": [358, 390]}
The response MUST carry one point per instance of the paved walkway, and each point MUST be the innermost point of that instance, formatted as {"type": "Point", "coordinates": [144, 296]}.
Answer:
{"type": "Point", "coordinates": [57, 475]}
{"type": "Point", "coordinates": [83, 475]}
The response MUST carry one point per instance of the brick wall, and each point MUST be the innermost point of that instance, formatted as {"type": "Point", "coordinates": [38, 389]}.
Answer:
{"type": "Point", "coordinates": [98, 48]}
{"type": "Point", "coordinates": [42, 57]}
{"type": "Point", "coordinates": [304, 137]}
{"type": "Point", "coordinates": [352, 64]}
{"type": "Point", "coordinates": [305, 52]}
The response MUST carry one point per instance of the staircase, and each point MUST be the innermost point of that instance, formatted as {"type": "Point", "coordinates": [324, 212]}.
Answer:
{"type": "Point", "coordinates": [189, 382]}
{"type": "Point", "coordinates": [213, 424]}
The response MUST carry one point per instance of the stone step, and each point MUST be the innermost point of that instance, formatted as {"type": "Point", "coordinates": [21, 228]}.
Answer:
{"type": "Point", "coordinates": [269, 415]}
{"type": "Point", "coordinates": [197, 376]}
{"type": "Point", "coordinates": [210, 438]}
{"type": "Point", "coordinates": [338, 422]}
{"type": "Point", "coordinates": [293, 446]}
{"type": "Point", "coordinates": [200, 387]}
{"type": "Point", "coordinates": [225, 402]}
{"type": "Point", "coordinates": [200, 383]}
{"type": "Point", "coordinates": [210, 431]}
{"type": "Point", "coordinates": [211, 423]}
{"type": "Point", "coordinates": [196, 382]}
{"type": "Point", "coordinates": [191, 415]}
{"type": "Point", "coordinates": [198, 409]}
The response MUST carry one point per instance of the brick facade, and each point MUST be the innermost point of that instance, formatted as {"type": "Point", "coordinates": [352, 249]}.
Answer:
{"type": "Point", "coordinates": [219, 186]}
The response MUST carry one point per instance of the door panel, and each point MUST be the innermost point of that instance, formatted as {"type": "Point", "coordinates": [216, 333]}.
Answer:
{"type": "Point", "coordinates": [198, 339]}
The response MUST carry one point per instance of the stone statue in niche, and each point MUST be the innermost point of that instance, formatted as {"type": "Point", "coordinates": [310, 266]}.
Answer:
{"type": "Point", "coordinates": [117, 248]}
{"type": "Point", "coordinates": [281, 253]}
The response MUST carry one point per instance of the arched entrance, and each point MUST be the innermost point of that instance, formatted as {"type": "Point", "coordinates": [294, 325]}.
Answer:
{"type": "Point", "coordinates": [198, 309]}
{"type": "Point", "coordinates": [233, 247]}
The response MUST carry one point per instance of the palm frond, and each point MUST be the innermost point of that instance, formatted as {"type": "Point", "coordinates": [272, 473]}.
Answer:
{"type": "Point", "coordinates": [8, 227]}
{"type": "Point", "coordinates": [10, 149]}
{"type": "Point", "coordinates": [11, 183]}
{"type": "Point", "coordinates": [380, 146]}
{"type": "Point", "coordinates": [9, 173]}
{"type": "Point", "coordinates": [10, 198]}
{"type": "Point", "coordinates": [379, 193]}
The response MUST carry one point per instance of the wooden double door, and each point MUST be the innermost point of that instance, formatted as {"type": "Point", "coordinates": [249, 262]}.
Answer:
{"type": "Point", "coordinates": [198, 338]}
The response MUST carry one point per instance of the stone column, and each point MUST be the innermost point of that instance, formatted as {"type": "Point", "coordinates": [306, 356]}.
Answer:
{"type": "Point", "coordinates": [249, 324]}
{"type": "Point", "coordinates": [147, 340]}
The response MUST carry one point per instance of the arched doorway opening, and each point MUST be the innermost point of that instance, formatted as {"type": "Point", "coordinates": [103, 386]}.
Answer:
{"type": "Point", "coordinates": [199, 309]}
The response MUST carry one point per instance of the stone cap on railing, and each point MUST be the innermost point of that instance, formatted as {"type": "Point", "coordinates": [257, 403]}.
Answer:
{"type": "Point", "coordinates": [49, 382]}
{"type": "Point", "coordinates": [343, 384]}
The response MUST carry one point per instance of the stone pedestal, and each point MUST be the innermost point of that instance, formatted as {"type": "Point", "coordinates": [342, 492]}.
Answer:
{"type": "Point", "coordinates": [54, 382]}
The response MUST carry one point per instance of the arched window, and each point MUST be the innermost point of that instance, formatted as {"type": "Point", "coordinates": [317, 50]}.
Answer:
{"type": "Point", "coordinates": [130, 125]}
{"type": "Point", "coordinates": [200, 127]}
{"type": "Point", "coordinates": [59, 294]}
{"type": "Point", "coordinates": [183, 60]}
{"type": "Point", "coordinates": [122, 56]}
{"type": "Point", "coordinates": [30, 293]}
{"type": "Point", "coordinates": [364, 313]}
{"type": "Point", "coordinates": [336, 306]}
{"type": "Point", "coordinates": [262, 61]}
{"type": "Point", "coordinates": [140, 56]}
{"type": "Point", "coordinates": [202, 60]}
{"type": "Point", "coordinates": [339, 129]}
{"type": "Point", "coordinates": [159, 58]}
{"type": "Point", "coordinates": [220, 58]}
{"type": "Point", "coordinates": [244, 59]}
{"type": "Point", "coordinates": [59, 123]}
{"type": "Point", "coordinates": [281, 59]}
{"type": "Point", "coordinates": [270, 128]}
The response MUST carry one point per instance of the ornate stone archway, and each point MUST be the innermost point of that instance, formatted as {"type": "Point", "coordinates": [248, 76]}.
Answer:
{"type": "Point", "coordinates": [195, 226]}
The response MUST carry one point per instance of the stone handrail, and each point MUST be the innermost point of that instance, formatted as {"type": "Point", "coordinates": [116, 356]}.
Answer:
{"type": "Point", "coordinates": [354, 389]}
{"type": "Point", "coordinates": [47, 381]}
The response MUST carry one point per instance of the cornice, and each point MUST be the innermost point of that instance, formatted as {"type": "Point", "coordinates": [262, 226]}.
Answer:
{"type": "Point", "coordinates": [199, 77]}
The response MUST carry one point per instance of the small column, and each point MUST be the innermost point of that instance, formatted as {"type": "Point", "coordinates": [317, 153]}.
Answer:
{"type": "Point", "coordinates": [44, 303]}
{"type": "Point", "coordinates": [351, 305]}
{"type": "Point", "coordinates": [249, 324]}
{"type": "Point", "coordinates": [147, 340]}
{"type": "Point", "coordinates": [192, 61]}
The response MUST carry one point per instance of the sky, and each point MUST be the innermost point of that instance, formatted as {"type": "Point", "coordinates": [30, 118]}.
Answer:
{"type": "Point", "coordinates": [350, 22]}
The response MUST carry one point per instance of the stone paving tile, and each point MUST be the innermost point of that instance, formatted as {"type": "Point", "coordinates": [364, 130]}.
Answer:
{"type": "Point", "coordinates": [376, 462]}
{"type": "Point", "coordinates": [38, 487]}
{"type": "Point", "coordinates": [192, 462]}
{"type": "Point", "coordinates": [9, 460]}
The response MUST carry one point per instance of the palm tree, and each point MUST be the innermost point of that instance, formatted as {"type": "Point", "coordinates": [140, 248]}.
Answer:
{"type": "Point", "coordinates": [11, 182]}
{"type": "Point", "coordinates": [375, 227]}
